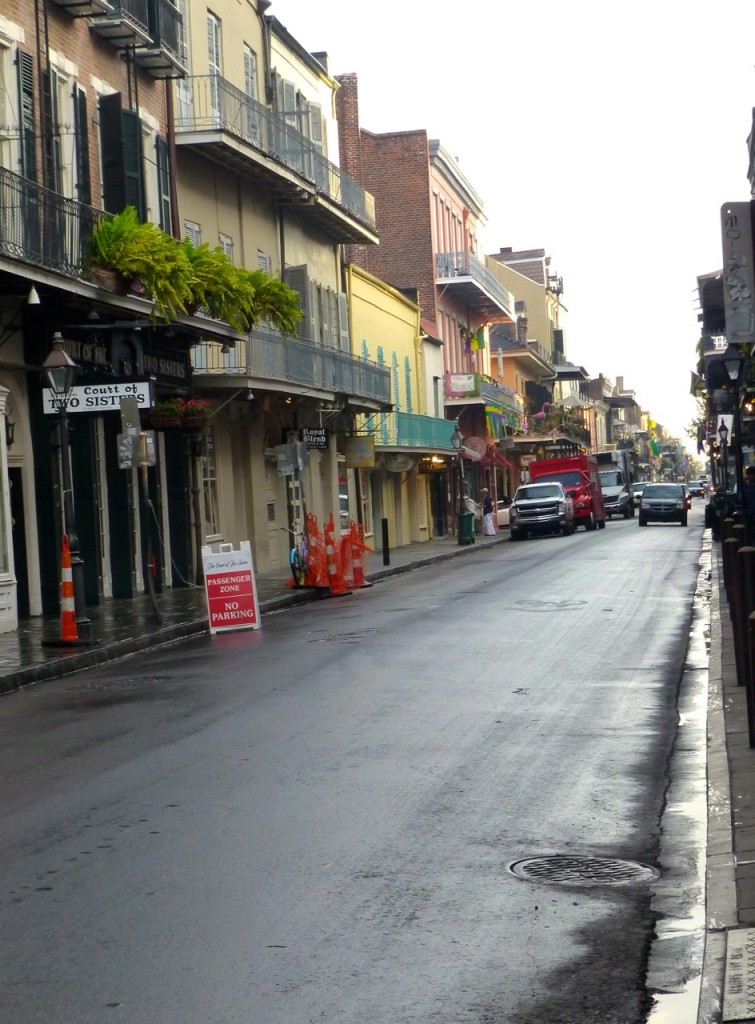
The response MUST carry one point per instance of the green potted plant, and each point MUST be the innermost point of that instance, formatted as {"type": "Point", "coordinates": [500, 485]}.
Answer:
{"type": "Point", "coordinates": [141, 252]}
{"type": "Point", "coordinates": [167, 414]}
{"type": "Point", "coordinates": [195, 414]}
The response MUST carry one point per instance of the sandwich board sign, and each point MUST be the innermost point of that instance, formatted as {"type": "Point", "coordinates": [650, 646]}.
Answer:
{"type": "Point", "coordinates": [230, 587]}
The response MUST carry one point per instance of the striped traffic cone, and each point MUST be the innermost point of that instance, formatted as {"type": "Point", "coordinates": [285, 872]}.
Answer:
{"type": "Point", "coordinates": [335, 579]}
{"type": "Point", "coordinates": [68, 630]}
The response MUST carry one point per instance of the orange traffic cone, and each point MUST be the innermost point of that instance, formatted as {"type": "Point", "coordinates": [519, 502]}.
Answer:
{"type": "Point", "coordinates": [335, 580]}
{"type": "Point", "coordinates": [68, 630]}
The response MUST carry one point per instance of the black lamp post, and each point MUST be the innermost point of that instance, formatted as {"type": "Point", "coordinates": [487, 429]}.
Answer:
{"type": "Point", "coordinates": [457, 441]}
{"type": "Point", "coordinates": [734, 363]}
{"type": "Point", "coordinates": [61, 372]}
{"type": "Point", "coordinates": [723, 435]}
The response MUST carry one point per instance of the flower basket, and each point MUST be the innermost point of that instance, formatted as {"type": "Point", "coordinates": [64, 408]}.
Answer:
{"type": "Point", "coordinates": [165, 420]}
{"type": "Point", "coordinates": [193, 423]}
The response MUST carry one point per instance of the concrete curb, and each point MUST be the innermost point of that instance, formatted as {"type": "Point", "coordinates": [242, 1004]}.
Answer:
{"type": "Point", "coordinates": [720, 901]}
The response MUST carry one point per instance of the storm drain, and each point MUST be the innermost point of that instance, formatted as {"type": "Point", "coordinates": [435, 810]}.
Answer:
{"type": "Point", "coordinates": [345, 638]}
{"type": "Point", "coordinates": [563, 870]}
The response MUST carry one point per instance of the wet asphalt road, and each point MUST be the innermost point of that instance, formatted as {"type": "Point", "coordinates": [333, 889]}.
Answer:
{"type": "Point", "coordinates": [315, 822]}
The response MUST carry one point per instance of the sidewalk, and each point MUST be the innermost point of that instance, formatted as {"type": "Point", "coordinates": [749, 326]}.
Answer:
{"type": "Point", "coordinates": [125, 626]}
{"type": "Point", "coordinates": [728, 982]}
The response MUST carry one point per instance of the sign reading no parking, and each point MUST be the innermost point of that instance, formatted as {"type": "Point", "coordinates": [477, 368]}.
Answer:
{"type": "Point", "coordinates": [230, 588]}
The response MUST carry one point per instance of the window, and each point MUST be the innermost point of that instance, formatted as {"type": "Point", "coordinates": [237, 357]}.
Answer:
{"type": "Point", "coordinates": [214, 62]}
{"type": "Point", "coordinates": [163, 185]}
{"type": "Point", "coordinates": [193, 232]}
{"type": "Point", "coordinates": [250, 88]}
{"type": "Point", "coordinates": [263, 261]}
{"type": "Point", "coordinates": [210, 486]}
{"type": "Point", "coordinates": [81, 146]}
{"type": "Point", "coordinates": [226, 244]}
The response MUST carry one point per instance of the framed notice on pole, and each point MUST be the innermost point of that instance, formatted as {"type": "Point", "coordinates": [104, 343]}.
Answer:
{"type": "Point", "coordinates": [230, 588]}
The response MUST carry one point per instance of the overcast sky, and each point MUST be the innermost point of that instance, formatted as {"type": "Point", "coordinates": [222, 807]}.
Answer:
{"type": "Point", "coordinates": [607, 134]}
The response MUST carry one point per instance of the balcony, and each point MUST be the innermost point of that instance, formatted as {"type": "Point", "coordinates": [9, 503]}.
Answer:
{"type": "Point", "coordinates": [42, 227]}
{"type": "Point", "coordinates": [162, 55]}
{"type": "Point", "coordinates": [265, 357]}
{"type": "Point", "coordinates": [530, 355]}
{"type": "Point", "coordinates": [410, 430]}
{"type": "Point", "coordinates": [238, 132]}
{"type": "Point", "coordinates": [84, 8]}
{"type": "Point", "coordinates": [477, 388]}
{"type": "Point", "coordinates": [127, 25]}
{"type": "Point", "coordinates": [461, 275]}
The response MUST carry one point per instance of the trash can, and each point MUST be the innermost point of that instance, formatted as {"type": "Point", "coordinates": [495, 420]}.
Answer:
{"type": "Point", "coordinates": [465, 527]}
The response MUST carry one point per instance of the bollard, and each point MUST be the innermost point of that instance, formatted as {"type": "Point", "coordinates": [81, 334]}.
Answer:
{"type": "Point", "coordinates": [736, 605]}
{"type": "Point", "coordinates": [386, 548]}
{"type": "Point", "coordinates": [729, 548]}
{"type": "Point", "coordinates": [739, 532]}
{"type": "Point", "coordinates": [746, 559]}
{"type": "Point", "coordinates": [726, 527]}
{"type": "Point", "coordinates": [750, 695]}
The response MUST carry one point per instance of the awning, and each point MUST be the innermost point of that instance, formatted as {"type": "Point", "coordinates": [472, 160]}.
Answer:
{"type": "Point", "coordinates": [494, 457]}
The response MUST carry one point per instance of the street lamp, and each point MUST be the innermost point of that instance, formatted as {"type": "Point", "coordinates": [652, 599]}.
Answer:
{"type": "Point", "coordinates": [457, 442]}
{"type": "Point", "coordinates": [61, 372]}
{"type": "Point", "coordinates": [723, 434]}
{"type": "Point", "coordinates": [734, 364]}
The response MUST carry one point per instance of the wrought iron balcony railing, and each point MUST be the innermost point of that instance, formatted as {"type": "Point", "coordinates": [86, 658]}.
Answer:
{"type": "Point", "coordinates": [162, 56]}
{"type": "Point", "coordinates": [126, 25]}
{"type": "Point", "coordinates": [209, 103]}
{"type": "Point", "coordinates": [42, 227]}
{"type": "Point", "coordinates": [462, 272]}
{"type": "Point", "coordinates": [411, 430]}
{"type": "Point", "coordinates": [267, 355]}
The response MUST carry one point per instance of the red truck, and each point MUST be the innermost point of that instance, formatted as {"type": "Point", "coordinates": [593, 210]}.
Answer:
{"type": "Point", "coordinates": [579, 476]}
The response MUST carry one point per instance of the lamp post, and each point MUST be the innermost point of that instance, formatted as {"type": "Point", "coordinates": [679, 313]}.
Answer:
{"type": "Point", "coordinates": [734, 363]}
{"type": "Point", "coordinates": [61, 372]}
{"type": "Point", "coordinates": [723, 435]}
{"type": "Point", "coordinates": [457, 442]}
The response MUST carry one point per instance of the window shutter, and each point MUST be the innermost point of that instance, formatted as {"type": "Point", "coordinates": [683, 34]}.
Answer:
{"type": "Point", "coordinates": [343, 322]}
{"type": "Point", "coordinates": [408, 383]}
{"type": "Point", "coordinates": [133, 163]}
{"type": "Point", "coordinates": [121, 147]}
{"type": "Point", "coordinates": [50, 130]}
{"type": "Point", "coordinates": [193, 232]}
{"type": "Point", "coordinates": [163, 184]}
{"type": "Point", "coordinates": [316, 318]}
{"type": "Point", "coordinates": [263, 261]}
{"type": "Point", "coordinates": [81, 133]}
{"type": "Point", "coordinates": [296, 279]}
{"type": "Point", "coordinates": [315, 126]}
{"type": "Point", "coordinates": [226, 244]}
{"type": "Point", "coordinates": [289, 103]}
{"type": "Point", "coordinates": [27, 128]}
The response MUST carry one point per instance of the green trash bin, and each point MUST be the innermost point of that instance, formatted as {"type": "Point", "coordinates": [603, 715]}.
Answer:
{"type": "Point", "coordinates": [465, 527]}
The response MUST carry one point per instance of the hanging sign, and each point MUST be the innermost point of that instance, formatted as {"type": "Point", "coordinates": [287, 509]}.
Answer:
{"type": "Point", "coordinates": [101, 397]}
{"type": "Point", "coordinates": [360, 451]}
{"type": "Point", "coordinates": [315, 437]}
{"type": "Point", "coordinates": [739, 276]}
{"type": "Point", "coordinates": [230, 588]}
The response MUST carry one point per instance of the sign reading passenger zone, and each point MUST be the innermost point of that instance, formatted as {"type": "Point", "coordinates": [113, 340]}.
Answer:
{"type": "Point", "coordinates": [230, 588]}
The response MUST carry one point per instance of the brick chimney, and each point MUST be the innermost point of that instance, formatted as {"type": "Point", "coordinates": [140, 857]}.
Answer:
{"type": "Point", "coordinates": [350, 146]}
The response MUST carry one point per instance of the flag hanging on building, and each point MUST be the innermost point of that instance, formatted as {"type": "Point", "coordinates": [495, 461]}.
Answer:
{"type": "Point", "coordinates": [477, 341]}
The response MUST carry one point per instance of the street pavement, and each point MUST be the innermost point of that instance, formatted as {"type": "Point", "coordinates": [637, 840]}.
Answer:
{"type": "Point", "coordinates": [727, 990]}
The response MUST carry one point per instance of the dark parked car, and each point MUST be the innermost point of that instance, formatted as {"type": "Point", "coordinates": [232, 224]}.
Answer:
{"type": "Point", "coordinates": [663, 503]}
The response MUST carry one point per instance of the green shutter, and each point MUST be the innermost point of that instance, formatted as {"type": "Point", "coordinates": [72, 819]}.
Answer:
{"type": "Point", "coordinates": [122, 164]}
{"type": "Point", "coordinates": [133, 163]}
{"type": "Point", "coordinates": [163, 184]}
{"type": "Point", "coordinates": [81, 132]}
{"type": "Point", "coordinates": [27, 127]}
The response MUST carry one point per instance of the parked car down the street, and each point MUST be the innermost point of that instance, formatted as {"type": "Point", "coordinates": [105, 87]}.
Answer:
{"type": "Point", "coordinates": [697, 488]}
{"type": "Point", "coordinates": [663, 503]}
{"type": "Point", "coordinates": [502, 512]}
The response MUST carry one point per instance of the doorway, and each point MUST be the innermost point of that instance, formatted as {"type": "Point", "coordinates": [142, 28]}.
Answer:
{"type": "Point", "coordinates": [18, 529]}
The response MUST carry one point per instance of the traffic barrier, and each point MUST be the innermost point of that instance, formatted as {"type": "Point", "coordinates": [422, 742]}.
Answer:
{"type": "Point", "coordinates": [68, 629]}
{"type": "Point", "coordinates": [317, 569]}
{"type": "Point", "coordinates": [335, 578]}
{"type": "Point", "coordinates": [358, 548]}
{"type": "Point", "coordinates": [346, 561]}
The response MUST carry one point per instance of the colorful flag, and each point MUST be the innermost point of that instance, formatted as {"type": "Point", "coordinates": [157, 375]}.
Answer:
{"type": "Point", "coordinates": [477, 342]}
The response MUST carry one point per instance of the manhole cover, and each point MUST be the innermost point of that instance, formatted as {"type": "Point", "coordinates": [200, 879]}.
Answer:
{"type": "Point", "coordinates": [582, 870]}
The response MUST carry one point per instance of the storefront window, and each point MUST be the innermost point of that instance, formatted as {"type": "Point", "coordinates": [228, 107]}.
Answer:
{"type": "Point", "coordinates": [210, 486]}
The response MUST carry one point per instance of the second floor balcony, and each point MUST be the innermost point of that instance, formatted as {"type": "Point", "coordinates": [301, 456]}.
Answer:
{"type": "Point", "coordinates": [125, 25]}
{"type": "Point", "coordinates": [41, 227]}
{"type": "Point", "coordinates": [477, 388]}
{"type": "Point", "coordinates": [410, 430]}
{"type": "Point", "coordinates": [163, 55]}
{"type": "Point", "coordinates": [265, 358]}
{"type": "Point", "coordinates": [463, 276]}
{"type": "Point", "coordinates": [218, 119]}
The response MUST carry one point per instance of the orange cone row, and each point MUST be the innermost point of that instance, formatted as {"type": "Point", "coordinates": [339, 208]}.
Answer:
{"type": "Point", "coordinates": [317, 570]}
{"type": "Point", "coordinates": [336, 581]}
{"type": "Point", "coordinates": [68, 630]}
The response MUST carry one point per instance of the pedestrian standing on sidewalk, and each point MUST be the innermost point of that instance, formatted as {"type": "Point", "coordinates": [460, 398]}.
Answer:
{"type": "Point", "coordinates": [487, 513]}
